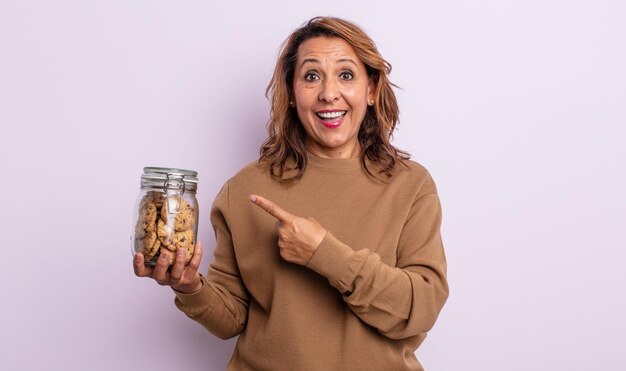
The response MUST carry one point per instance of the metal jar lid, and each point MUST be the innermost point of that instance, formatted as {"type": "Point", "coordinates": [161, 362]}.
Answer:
{"type": "Point", "coordinates": [169, 178]}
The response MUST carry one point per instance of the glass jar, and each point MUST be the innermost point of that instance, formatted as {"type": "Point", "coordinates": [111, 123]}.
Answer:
{"type": "Point", "coordinates": [165, 214]}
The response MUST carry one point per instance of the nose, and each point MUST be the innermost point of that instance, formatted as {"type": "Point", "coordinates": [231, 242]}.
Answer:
{"type": "Point", "coordinates": [329, 91]}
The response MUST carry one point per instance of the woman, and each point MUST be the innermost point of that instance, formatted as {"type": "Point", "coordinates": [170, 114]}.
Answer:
{"type": "Point", "coordinates": [328, 255]}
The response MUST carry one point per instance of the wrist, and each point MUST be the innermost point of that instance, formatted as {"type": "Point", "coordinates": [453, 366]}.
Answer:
{"type": "Point", "coordinates": [191, 288]}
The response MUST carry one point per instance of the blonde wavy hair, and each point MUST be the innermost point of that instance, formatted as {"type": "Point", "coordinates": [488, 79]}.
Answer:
{"type": "Point", "coordinates": [285, 149]}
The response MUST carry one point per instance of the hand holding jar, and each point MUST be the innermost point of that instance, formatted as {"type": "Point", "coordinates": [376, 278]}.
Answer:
{"type": "Point", "coordinates": [180, 277]}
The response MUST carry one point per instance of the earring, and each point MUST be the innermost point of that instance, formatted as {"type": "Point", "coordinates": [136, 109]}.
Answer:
{"type": "Point", "coordinates": [370, 103]}
{"type": "Point", "coordinates": [291, 103]}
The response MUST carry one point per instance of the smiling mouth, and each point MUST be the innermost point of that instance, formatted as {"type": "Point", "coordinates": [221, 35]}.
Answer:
{"type": "Point", "coordinates": [333, 115]}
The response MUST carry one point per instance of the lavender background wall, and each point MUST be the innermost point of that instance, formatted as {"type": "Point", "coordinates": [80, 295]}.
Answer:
{"type": "Point", "coordinates": [516, 107]}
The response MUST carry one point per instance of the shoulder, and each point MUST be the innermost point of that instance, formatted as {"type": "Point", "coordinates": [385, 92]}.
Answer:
{"type": "Point", "coordinates": [252, 171]}
{"type": "Point", "coordinates": [239, 185]}
{"type": "Point", "coordinates": [416, 175]}
{"type": "Point", "coordinates": [253, 178]}
{"type": "Point", "coordinates": [248, 174]}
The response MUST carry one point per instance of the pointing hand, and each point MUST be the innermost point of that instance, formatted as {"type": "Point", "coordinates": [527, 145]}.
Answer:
{"type": "Point", "coordinates": [298, 237]}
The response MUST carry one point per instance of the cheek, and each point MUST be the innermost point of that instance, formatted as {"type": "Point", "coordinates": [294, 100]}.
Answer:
{"type": "Point", "coordinates": [307, 120]}
{"type": "Point", "coordinates": [302, 102]}
{"type": "Point", "coordinates": [356, 96]}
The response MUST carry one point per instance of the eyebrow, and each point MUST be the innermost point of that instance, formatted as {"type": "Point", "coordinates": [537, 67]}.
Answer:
{"type": "Point", "coordinates": [347, 60]}
{"type": "Point", "coordinates": [314, 60]}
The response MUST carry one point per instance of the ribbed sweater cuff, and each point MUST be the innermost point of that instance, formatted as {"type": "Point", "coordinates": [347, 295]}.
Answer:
{"type": "Point", "coordinates": [337, 262]}
{"type": "Point", "coordinates": [198, 298]}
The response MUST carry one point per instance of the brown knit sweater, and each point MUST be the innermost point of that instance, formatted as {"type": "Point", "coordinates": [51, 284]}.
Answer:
{"type": "Point", "coordinates": [367, 297]}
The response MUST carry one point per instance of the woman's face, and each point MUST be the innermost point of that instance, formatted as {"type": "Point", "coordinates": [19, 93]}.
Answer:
{"type": "Point", "coordinates": [331, 94]}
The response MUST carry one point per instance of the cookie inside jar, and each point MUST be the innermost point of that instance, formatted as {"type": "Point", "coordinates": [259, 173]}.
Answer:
{"type": "Point", "coordinates": [175, 227]}
{"type": "Point", "coordinates": [165, 223]}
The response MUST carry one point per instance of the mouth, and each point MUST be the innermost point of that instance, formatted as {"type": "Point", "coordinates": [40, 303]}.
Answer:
{"type": "Point", "coordinates": [331, 119]}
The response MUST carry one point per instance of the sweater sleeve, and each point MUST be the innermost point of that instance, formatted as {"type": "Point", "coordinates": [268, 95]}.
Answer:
{"type": "Point", "coordinates": [400, 301]}
{"type": "Point", "coordinates": [221, 305]}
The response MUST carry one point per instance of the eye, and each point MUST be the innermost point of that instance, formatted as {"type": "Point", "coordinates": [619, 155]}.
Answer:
{"type": "Point", "coordinates": [347, 75]}
{"type": "Point", "coordinates": [311, 76]}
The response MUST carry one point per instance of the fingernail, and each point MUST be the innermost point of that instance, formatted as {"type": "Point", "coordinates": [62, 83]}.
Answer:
{"type": "Point", "coordinates": [252, 198]}
{"type": "Point", "coordinates": [163, 255]}
{"type": "Point", "coordinates": [180, 252]}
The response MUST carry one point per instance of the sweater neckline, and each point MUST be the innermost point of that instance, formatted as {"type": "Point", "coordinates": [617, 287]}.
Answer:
{"type": "Point", "coordinates": [335, 163]}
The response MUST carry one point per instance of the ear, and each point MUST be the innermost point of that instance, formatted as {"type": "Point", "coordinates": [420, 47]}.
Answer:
{"type": "Point", "coordinates": [371, 88]}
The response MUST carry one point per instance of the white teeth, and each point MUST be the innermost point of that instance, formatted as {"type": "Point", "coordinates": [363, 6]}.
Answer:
{"type": "Point", "coordinates": [331, 115]}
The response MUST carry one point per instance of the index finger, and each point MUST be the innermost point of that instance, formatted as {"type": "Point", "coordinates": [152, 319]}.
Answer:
{"type": "Point", "coordinates": [138, 265]}
{"type": "Point", "coordinates": [271, 208]}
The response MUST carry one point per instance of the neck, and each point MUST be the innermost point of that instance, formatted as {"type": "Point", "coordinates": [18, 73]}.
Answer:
{"type": "Point", "coordinates": [352, 151]}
